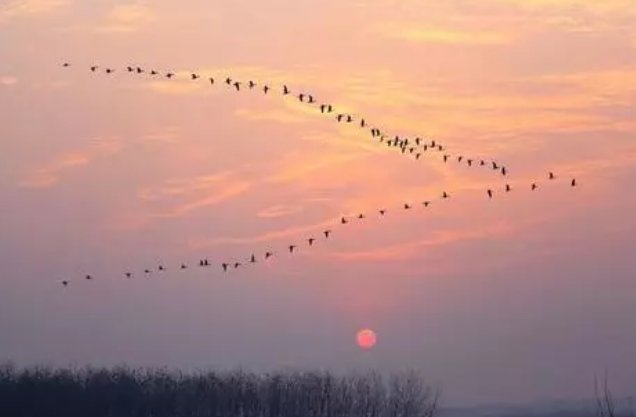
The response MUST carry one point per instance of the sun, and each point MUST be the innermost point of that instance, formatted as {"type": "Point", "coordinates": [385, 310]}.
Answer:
{"type": "Point", "coordinates": [366, 339]}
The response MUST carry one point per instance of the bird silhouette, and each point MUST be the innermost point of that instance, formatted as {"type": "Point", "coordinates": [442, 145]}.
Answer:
{"type": "Point", "coordinates": [169, 75]}
{"type": "Point", "coordinates": [265, 89]}
{"type": "Point", "coordinates": [489, 193]}
{"type": "Point", "coordinates": [417, 155]}
{"type": "Point", "coordinates": [534, 186]}
{"type": "Point", "coordinates": [236, 265]}
{"type": "Point", "coordinates": [153, 72]}
{"type": "Point", "coordinates": [194, 76]}
{"type": "Point", "coordinates": [362, 123]}
{"type": "Point", "coordinates": [228, 81]}
{"type": "Point", "coordinates": [311, 241]}
{"type": "Point", "coordinates": [268, 255]}
{"type": "Point", "coordinates": [211, 80]}
{"type": "Point", "coordinates": [139, 70]}
{"type": "Point", "coordinates": [65, 283]}
{"type": "Point", "coordinates": [426, 203]}
{"type": "Point", "coordinates": [382, 212]}
{"type": "Point", "coordinates": [253, 259]}
{"type": "Point", "coordinates": [88, 277]}
{"type": "Point", "coordinates": [252, 84]}
{"type": "Point", "coordinates": [573, 182]}
{"type": "Point", "coordinates": [161, 268]}
{"type": "Point", "coordinates": [470, 162]}
{"type": "Point", "coordinates": [446, 158]}
{"type": "Point", "coordinates": [237, 85]}
{"type": "Point", "coordinates": [66, 64]}
{"type": "Point", "coordinates": [360, 216]}
{"type": "Point", "coordinates": [128, 275]}
{"type": "Point", "coordinates": [301, 97]}
{"type": "Point", "coordinates": [310, 99]}
{"type": "Point", "coordinates": [291, 248]}
{"type": "Point", "coordinates": [285, 90]}
{"type": "Point", "coordinates": [551, 175]}
{"type": "Point", "coordinates": [445, 195]}
{"type": "Point", "coordinates": [224, 266]}
{"type": "Point", "coordinates": [504, 171]}
{"type": "Point", "coordinates": [327, 233]}
{"type": "Point", "coordinates": [109, 70]}
{"type": "Point", "coordinates": [407, 207]}
{"type": "Point", "coordinates": [130, 69]}
{"type": "Point", "coordinates": [495, 166]}
{"type": "Point", "coordinates": [147, 271]}
{"type": "Point", "coordinates": [94, 68]}
{"type": "Point", "coordinates": [344, 221]}
{"type": "Point", "coordinates": [184, 266]}
{"type": "Point", "coordinates": [508, 188]}
{"type": "Point", "coordinates": [459, 158]}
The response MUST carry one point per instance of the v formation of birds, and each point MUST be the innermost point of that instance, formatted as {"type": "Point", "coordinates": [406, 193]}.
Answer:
{"type": "Point", "coordinates": [411, 147]}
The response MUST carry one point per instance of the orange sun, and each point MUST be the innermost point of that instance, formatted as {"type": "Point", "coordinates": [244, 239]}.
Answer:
{"type": "Point", "coordinates": [366, 339]}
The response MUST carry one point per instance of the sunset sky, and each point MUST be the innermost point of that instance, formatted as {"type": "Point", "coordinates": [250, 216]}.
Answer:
{"type": "Point", "coordinates": [520, 298]}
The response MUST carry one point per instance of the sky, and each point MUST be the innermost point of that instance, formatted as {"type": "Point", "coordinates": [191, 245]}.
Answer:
{"type": "Point", "coordinates": [520, 298]}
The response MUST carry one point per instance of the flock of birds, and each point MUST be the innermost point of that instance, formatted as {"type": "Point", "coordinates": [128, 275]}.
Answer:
{"type": "Point", "coordinates": [408, 146]}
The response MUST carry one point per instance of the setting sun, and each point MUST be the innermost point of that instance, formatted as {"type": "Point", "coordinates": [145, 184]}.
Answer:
{"type": "Point", "coordinates": [366, 339]}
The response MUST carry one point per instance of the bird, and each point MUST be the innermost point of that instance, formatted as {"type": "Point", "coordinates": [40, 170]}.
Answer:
{"type": "Point", "coordinates": [206, 262]}
{"type": "Point", "coordinates": [130, 69]}
{"type": "Point", "coordinates": [459, 158]}
{"type": "Point", "coordinates": [94, 68]}
{"type": "Point", "coordinates": [339, 117]}
{"type": "Point", "coordinates": [489, 193]}
{"type": "Point", "coordinates": [268, 255]}
{"type": "Point", "coordinates": [146, 271]}
{"type": "Point", "coordinates": [323, 107]}
{"type": "Point", "coordinates": [327, 233]}
{"type": "Point", "coordinates": [508, 188]}
{"type": "Point", "coordinates": [224, 266]}
{"type": "Point", "coordinates": [349, 119]}
{"type": "Point", "coordinates": [573, 182]}
{"type": "Point", "coordinates": [407, 207]}
{"type": "Point", "coordinates": [236, 265]}
{"type": "Point", "coordinates": [88, 277]}
{"type": "Point", "coordinates": [360, 216]}
{"type": "Point", "coordinates": [66, 64]}
{"type": "Point", "coordinates": [382, 212]}
{"type": "Point", "coordinates": [551, 175]}
{"type": "Point", "coordinates": [534, 186]}
{"type": "Point", "coordinates": [495, 166]}
{"type": "Point", "coordinates": [253, 259]}
{"type": "Point", "coordinates": [426, 203]}
{"type": "Point", "coordinates": [65, 283]}
{"type": "Point", "coordinates": [445, 195]}
{"type": "Point", "coordinates": [482, 162]}
{"type": "Point", "coordinates": [109, 70]}
{"type": "Point", "coordinates": [153, 72]}
{"type": "Point", "coordinates": [128, 275]}
{"type": "Point", "coordinates": [311, 241]}
{"type": "Point", "coordinates": [329, 108]}
{"type": "Point", "coordinates": [310, 99]}
{"type": "Point", "coordinates": [228, 81]}
{"type": "Point", "coordinates": [194, 76]}
{"type": "Point", "coordinates": [211, 80]}
{"type": "Point", "coordinates": [265, 89]}
{"type": "Point", "coordinates": [184, 266]}
{"type": "Point", "coordinates": [169, 75]}
{"type": "Point", "coordinates": [362, 123]}
{"type": "Point", "coordinates": [161, 268]}
{"type": "Point", "coordinates": [291, 248]}
{"type": "Point", "coordinates": [139, 70]}
{"type": "Point", "coordinates": [417, 141]}
{"type": "Point", "coordinates": [504, 171]}
{"type": "Point", "coordinates": [445, 158]}
{"type": "Point", "coordinates": [237, 85]}
{"type": "Point", "coordinates": [301, 97]}
{"type": "Point", "coordinates": [433, 143]}
{"type": "Point", "coordinates": [343, 221]}
{"type": "Point", "coordinates": [285, 90]}
{"type": "Point", "coordinates": [201, 263]}
{"type": "Point", "coordinates": [252, 84]}
{"type": "Point", "coordinates": [417, 155]}
{"type": "Point", "coordinates": [470, 162]}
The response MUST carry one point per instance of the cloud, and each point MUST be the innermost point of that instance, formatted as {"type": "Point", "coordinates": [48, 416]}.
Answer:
{"type": "Point", "coordinates": [224, 193]}
{"type": "Point", "coordinates": [8, 80]}
{"type": "Point", "coordinates": [32, 7]}
{"type": "Point", "coordinates": [278, 211]}
{"type": "Point", "coordinates": [125, 18]}
{"type": "Point", "coordinates": [51, 173]}
{"type": "Point", "coordinates": [408, 250]}
{"type": "Point", "coordinates": [441, 35]}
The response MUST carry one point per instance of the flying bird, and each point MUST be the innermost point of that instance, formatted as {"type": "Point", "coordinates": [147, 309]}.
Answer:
{"type": "Point", "coordinates": [265, 89]}
{"type": "Point", "coordinates": [88, 277]}
{"type": "Point", "coordinates": [169, 75]}
{"type": "Point", "coordinates": [184, 266]}
{"type": "Point", "coordinates": [504, 171]}
{"type": "Point", "coordinates": [253, 259]}
{"type": "Point", "coordinates": [224, 266]}
{"type": "Point", "coordinates": [285, 90]}
{"type": "Point", "coordinates": [66, 64]}
{"type": "Point", "coordinates": [194, 76]}
{"type": "Point", "coordinates": [268, 255]}
{"type": "Point", "coordinates": [446, 158]}
{"type": "Point", "coordinates": [237, 85]}
{"type": "Point", "coordinates": [551, 175]}
{"type": "Point", "coordinates": [252, 84]}
{"type": "Point", "coordinates": [489, 193]}
{"type": "Point", "coordinates": [94, 68]}
{"type": "Point", "coordinates": [573, 182]}
{"type": "Point", "coordinates": [153, 72]}
{"type": "Point", "coordinates": [161, 268]}
{"type": "Point", "coordinates": [534, 186]}
{"type": "Point", "coordinates": [343, 221]}
{"type": "Point", "coordinates": [311, 241]}
{"type": "Point", "coordinates": [236, 265]}
{"type": "Point", "coordinates": [128, 275]}
{"type": "Point", "coordinates": [147, 271]}
{"type": "Point", "coordinates": [426, 203]}
{"type": "Point", "coordinates": [211, 81]}
{"type": "Point", "coordinates": [445, 195]}
{"type": "Point", "coordinates": [407, 207]}
{"type": "Point", "coordinates": [291, 248]}
{"type": "Point", "coordinates": [327, 233]}
{"type": "Point", "coordinates": [228, 81]}
{"type": "Point", "coordinates": [139, 70]}
{"type": "Point", "coordinates": [508, 188]}
{"type": "Point", "coordinates": [382, 212]}
{"type": "Point", "coordinates": [65, 283]}
{"type": "Point", "coordinates": [130, 69]}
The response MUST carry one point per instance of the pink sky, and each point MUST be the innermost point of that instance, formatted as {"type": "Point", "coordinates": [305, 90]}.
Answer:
{"type": "Point", "coordinates": [522, 297]}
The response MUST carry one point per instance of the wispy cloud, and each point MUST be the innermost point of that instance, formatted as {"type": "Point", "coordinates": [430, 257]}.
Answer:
{"type": "Point", "coordinates": [51, 173]}
{"type": "Point", "coordinates": [278, 210]}
{"type": "Point", "coordinates": [445, 35]}
{"type": "Point", "coordinates": [126, 18]}
{"type": "Point", "coordinates": [31, 7]}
